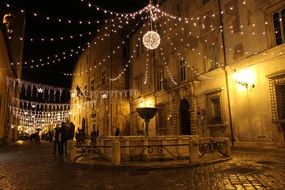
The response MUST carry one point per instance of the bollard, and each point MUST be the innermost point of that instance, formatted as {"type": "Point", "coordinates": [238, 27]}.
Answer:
{"type": "Point", "coordinates": [193, 151]}
{"type": "Point", "coordinates": [116, 153]}
{"type": "Point", "coordinates": [227, 147]}
{"type": "Point", "coordinates": [70, 150]}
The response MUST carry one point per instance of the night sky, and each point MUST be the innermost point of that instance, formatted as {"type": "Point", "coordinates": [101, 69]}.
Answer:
{"type": "Point", "coordinates": [37, 28]}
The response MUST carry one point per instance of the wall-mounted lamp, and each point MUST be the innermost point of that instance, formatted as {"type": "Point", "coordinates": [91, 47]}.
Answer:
{"type": "Point", "coordinates": [245, 84]}
{"type": "Point", "coordinates": [244, 78]}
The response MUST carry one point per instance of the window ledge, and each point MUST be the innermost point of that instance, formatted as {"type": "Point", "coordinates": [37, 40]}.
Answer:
{"type": "Point", "coordinates": [281, 121]}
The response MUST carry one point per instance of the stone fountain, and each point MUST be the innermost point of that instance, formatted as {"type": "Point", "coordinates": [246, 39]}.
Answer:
{"type": "Point", "coordinates": [147, 113]}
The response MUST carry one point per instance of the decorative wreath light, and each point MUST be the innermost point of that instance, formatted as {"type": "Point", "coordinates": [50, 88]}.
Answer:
{"type": "Point", "coordinates": [151, 40]}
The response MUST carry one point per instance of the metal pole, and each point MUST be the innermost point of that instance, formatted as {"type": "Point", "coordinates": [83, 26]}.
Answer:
{"type": "Point", "coordinates": [110, 89]}
{"type": "Point", "coordinates": [226, 74]}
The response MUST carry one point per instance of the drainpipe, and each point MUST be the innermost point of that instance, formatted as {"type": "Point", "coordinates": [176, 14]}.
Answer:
{"type": "Point", "coordinates": [226, 74]}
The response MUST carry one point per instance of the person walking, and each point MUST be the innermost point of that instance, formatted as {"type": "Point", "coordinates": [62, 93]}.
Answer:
{"type": "Point", "coordinates": [55, 138]}
{"type": "Point", "coordinates": [64, 138]}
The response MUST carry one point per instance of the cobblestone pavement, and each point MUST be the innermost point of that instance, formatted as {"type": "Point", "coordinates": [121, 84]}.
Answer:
{"type": "Point", "coordinates": [31, 166]}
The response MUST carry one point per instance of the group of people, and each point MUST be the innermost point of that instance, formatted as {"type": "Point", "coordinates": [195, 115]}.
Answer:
{"type": "Point", "coordinates": [61, 134]}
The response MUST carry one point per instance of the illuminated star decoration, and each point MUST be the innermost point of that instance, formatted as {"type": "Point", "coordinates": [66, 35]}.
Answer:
{"type": "Point", "coordinates": [40, 90]}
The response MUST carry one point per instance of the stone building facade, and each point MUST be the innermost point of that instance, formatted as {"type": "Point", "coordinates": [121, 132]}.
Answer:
{"type": "Point", "coordinates": [11, 51]}
{"type": "Point", "coordinates": [98, 98]}
{"type": "Point", "coordinates": [220, 72]}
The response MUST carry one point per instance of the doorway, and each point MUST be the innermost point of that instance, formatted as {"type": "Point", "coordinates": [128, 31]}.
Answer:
{"type": "Point", "coordinates": [185, 122]}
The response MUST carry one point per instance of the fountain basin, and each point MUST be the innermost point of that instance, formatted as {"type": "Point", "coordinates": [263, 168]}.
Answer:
{"type": "Point", "coordinates": [147, 113]}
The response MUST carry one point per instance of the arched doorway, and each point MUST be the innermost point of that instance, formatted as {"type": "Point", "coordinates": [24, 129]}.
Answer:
{"type": "Point", "coordinates": [185, 122]}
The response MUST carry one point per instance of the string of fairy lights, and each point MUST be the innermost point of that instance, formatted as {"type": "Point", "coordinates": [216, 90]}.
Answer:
{"type": "Point", "coordinates": [60, 20]}
{"type": "Point", "coordinates": [38, 118]}
{"type": "Point", "coordinates": [104, 60]}
{"type": "Point", "coordinates": [165, 23]}
{"type": "Point", "coordinates": [53, 39]}
{"type": "Point", "coordinates": [36, 113]}
{"type": "Point", "coordinates": [162, 13]}
{"type": "Point", "coordinates": [34, 118]}
{"type": "Point", "coordinates": [60, 56]}
{"type": "Point", "coordinates": [113, 13]}
{"type": "Point", "coordinates": [154, 8]}
{"type": "Point", "coordinates": [146, 68]}
{"type": "Point", "coordinates": [35, 89]}
{"type": "Point", "coordinates": [26, 104]}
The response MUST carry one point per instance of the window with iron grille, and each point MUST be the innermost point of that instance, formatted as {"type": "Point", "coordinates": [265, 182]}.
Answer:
{"type": "Point", "coordinates": [213, 60]}
{"type": "Point", "coordinates": [215, 104]}
{"type": "Point", "coordinates": [279, 26]}
{"type": "Point", "coordinates": [280, 97]}
{"type": "Point", "coordinates": [277, 97]}
{"type": "Point", "coordinates": [215, 113]}
{"type": "Point", "coordinates": [182, 69]}
{"type": "Point", "coordinates": [160, 84]}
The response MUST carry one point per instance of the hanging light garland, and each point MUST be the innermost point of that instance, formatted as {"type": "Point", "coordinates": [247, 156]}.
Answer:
{"type": "Point", "coordinates": [146, 68]}
{"type": "Point", "coordinates": [188, 45]}
{"type": "Point", "coordinates": [104, 60]}
{"type": "Point", "coordinates": [38, 118]}
{"type": "Point", "coordinates": [53, 39]}
{"type": "Point", "coordinates": [25, 104]}
{"type": "Point", "coordinates": [55, 19]}
{"type": "Point", "coordinates": [31, 87]}
{"type": "Point", "coordinates": [166, 66]}
{"type": "Point", "coordinates": [97, 94]}
{"type": "Point", "coordinates": [112, 13]}
{"type": "Point", "coordinates": [157, 14]}
{"type": "Point", "coordinates": [151, 39]}
{"type": "Point", "coordinates": [41, 62]}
